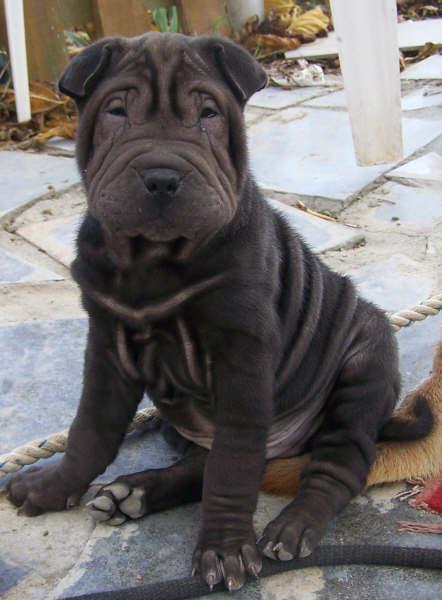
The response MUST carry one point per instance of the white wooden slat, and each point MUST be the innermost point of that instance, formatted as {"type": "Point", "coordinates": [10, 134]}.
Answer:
{"type": "Point", "coordinates": [240, 10]}
{"type": "Point", "coordinates": [369, 57]}
{"type": "Point", "coordinates": [17, 53]}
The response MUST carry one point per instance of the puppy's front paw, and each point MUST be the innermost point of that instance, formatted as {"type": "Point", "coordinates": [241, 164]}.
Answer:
{"type": "Point", "coordinates": [228, 561]}
{"type": "Point", "coordinates": [41, 489]}
{"type": "Point", "coordinates": [293, 534]}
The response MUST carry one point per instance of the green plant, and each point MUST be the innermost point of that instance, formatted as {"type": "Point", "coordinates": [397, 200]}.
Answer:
{"type": "Point", "coordinates": [77, 38]}
{"type": "Point", "coordinates": [166, 20]}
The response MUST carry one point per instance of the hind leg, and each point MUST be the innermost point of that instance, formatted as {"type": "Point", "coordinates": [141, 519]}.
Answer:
{"type": "Point", "coordinates": [133, 496]}
{"type": "Point", "coordinates": [344, 449]}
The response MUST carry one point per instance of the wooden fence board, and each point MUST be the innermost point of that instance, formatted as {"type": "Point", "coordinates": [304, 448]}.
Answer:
{"type": "Point", "coordinates": [120, 17]}
{"type": "Point", "coordinates": [46, 49]}
{"type": "Point", "coordinates": [204, 16]}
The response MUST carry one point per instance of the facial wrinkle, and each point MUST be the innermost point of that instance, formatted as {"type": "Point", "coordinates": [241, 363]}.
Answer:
{"type": "Point", "coordinates": [229, 193]}
{"type": "Point", "coordinates": [105, 174]}
{"type": "Point", "coordinates": [196, 62]}
{"type": "Point", "coordinates": [92, 170]}
{"type": "Point", "coordinates": [214, 184]}
{"type": "Point", "coordinates": [173, 89]}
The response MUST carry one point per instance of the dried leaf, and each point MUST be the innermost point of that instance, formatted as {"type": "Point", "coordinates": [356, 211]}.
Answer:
{"type": "Point", "coordinates": [52, 115]}
{"type": "Point", "coordinates": [310, 23]}
{"type": "Point", "coordinates": [43, 95]}
{"type": "Point", "coordinates": [301, 206]}
{"type": "Point", "coordinates": [284, 22]}
{"type": "Point", "coordinates": [269, 44]}
{"type": "Point", "coordinates": [419, 9]}
{"type": "Point", "coordinates": [427, 50]}
{"type": "Point", "coordinates": [278, 6]}
{"type": "Point", "coordinates": [66, 131]}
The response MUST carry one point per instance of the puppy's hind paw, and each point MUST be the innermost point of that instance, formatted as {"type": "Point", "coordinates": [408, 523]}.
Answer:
{"type": "Point", "coordinates": [117, 502]}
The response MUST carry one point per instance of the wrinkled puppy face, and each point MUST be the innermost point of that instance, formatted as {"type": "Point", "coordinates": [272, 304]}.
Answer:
{"type": "Point", "coordinates": [160, 142]}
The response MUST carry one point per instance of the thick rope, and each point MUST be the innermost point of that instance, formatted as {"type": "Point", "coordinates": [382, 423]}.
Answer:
{"type": "Point", "coordinates": [428, 308]}
{"type": "Point", "coordinates": [50, 445]}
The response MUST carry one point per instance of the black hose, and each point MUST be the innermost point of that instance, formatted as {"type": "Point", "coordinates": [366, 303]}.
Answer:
{"type": "Point", "coordinates": [324, 556]}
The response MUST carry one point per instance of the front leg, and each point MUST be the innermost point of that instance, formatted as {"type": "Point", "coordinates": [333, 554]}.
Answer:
{"type": "Point", "coordinates": [242, 388]}
{"type": "Point", "coordinates": [109, 400]}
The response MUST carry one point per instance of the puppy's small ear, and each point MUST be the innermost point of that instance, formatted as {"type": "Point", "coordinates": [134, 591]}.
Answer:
{"type": "Point", "coordinates": [84, 70]}
{"type": "Point", "coordinates": [242, 72]}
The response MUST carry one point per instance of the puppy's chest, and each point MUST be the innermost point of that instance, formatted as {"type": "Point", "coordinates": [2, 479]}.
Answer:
{"type": "Point", "coordinates": [166, 350]}
{"type": "Point", "coordinates": [170, 358]}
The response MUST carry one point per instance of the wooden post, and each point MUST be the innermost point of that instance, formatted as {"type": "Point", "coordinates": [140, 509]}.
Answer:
{"type": "Point", "coordinates": [369, 56]}
{"type": "Point", "coordinates": [46, 49]}
{"type": "Point", "coordinates": [121, 17]}
{"type": "Point", "coordinates": [204, 16]}
{"type": "Point", "coordinates": [3, 32]}
{"type": "Point", "coordinates": [15, 24]}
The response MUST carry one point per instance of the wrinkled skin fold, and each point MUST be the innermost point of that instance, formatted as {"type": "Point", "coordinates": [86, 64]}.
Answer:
{"type": "Point", "coordinates": [199, 293]}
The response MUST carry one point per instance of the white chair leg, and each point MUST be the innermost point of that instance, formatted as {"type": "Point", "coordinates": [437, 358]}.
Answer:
{"type": "Point", "coordinates": [368, 52]}
{"type": "Point", "coordinates": [15, 25]}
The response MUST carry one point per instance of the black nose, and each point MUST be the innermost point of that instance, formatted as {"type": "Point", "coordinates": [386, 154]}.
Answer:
{"type": "Point", "coordinates": [162, 184]}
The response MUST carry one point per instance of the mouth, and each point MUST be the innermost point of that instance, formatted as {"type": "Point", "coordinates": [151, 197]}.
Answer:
{"type": "Point", "coordinates": [158, 229]}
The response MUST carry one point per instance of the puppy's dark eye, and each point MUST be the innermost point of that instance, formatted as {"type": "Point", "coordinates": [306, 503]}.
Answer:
{"type": "Point", "coordinates": [208, 113]}
{"type": "Point", "coordinates": [117, 111]}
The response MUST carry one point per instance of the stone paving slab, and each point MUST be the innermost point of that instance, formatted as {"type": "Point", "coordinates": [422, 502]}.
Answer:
{"type": "Point", "coordinates": [411, 35]}
{"type": "Point", "coordinates": [277, 98]}
{"type": "Point", "coordinates": [394, 283]}
{"type": "Point", "coordinates": [414, 100]}
{"type": "Point", "coordinates": [14, 270]}
{"type": "Point", "coordinates": [309, 152]}
{"type": "Point", "coordinates": [40, 378]}
{"type": "Point", "coordinates": [40, 301]}
{"type": "Point", "coordinates": [25, 177]}
{"type": "Point", "coordinates": [333, 100]}
{"type": "Point", "coordinates": [160, 547]}
{"type": "Point", "coordinates": [61, 146]}
{"type": "Point", "coordinates": [321, 235]}
{"type": "Point", "coordinates": [417, 207]}
{"type": "Point", "coordinates": [425, 168]}
{"type": "Point", "coordinates": [430, 68]}
{"type": "Point", "coordinates": [422, 98]}
{"type": "Point", "coordinates": [56, 237]}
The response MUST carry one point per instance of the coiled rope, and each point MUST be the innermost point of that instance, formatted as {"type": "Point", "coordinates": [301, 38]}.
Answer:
{"type": "Point", "coordinates": [56, 442]}
{"type": "Point", "coordinates": [428, 308]}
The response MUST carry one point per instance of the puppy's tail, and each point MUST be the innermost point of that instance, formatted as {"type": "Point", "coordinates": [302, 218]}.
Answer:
{"type": "Point", "coordinates": [415, 423]}
{"type": "Point", "coordinates": [410, 443]}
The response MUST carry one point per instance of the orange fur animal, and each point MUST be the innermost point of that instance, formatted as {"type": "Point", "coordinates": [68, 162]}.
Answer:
{"type": "Point", "coordinates": [396, 460]}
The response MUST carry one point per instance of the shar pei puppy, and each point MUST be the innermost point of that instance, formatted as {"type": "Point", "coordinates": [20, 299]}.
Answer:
{"type": "Point", "coordinates": [199, 293]}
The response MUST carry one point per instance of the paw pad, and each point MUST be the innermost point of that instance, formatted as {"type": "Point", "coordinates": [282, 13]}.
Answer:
{"type": "Point", "coordinates": [117, 502]}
